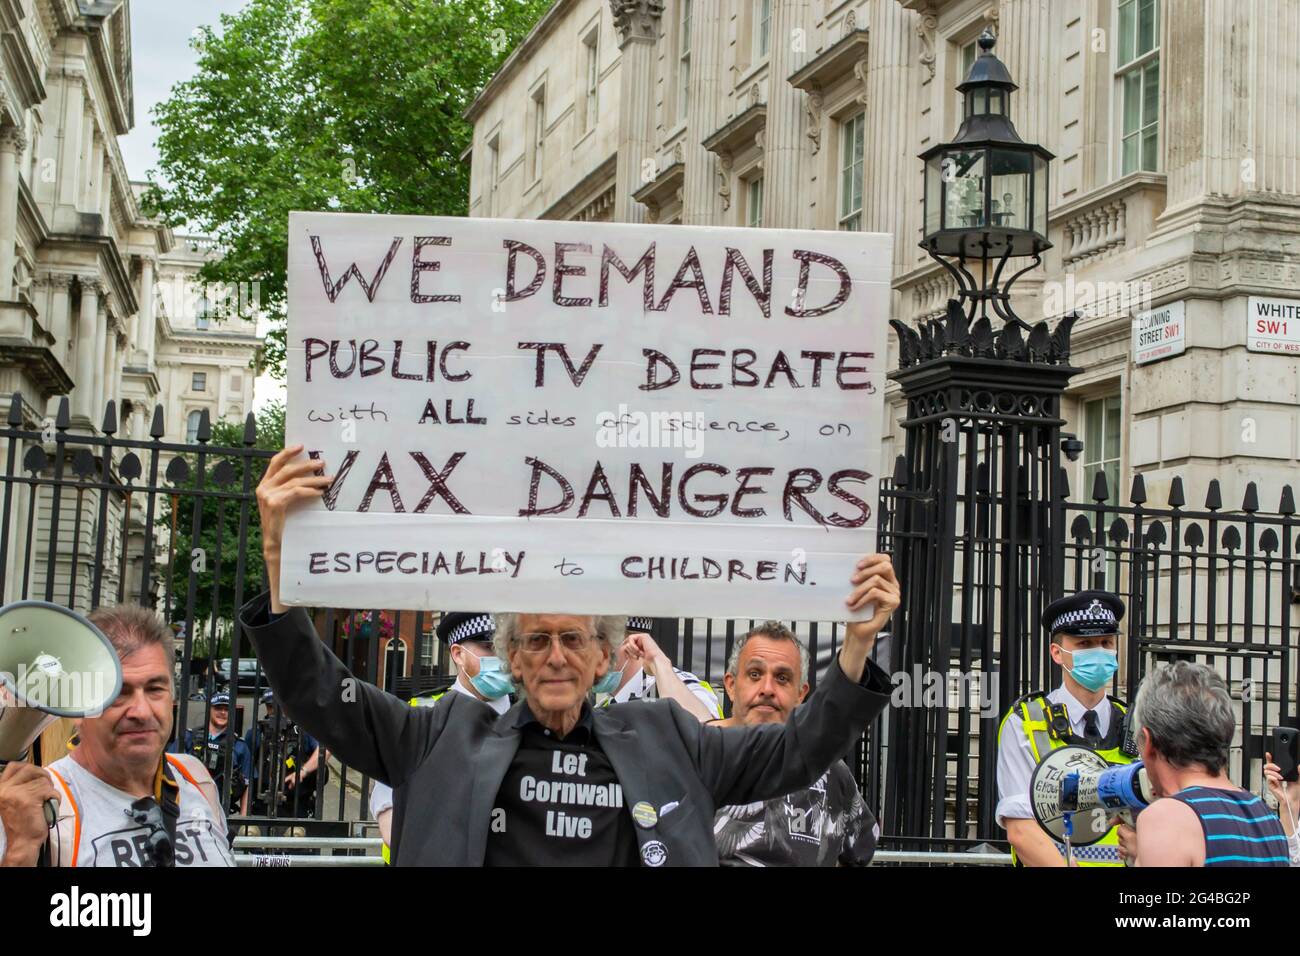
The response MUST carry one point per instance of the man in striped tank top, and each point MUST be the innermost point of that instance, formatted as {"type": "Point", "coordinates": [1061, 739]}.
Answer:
{"type": "Point", "coordinates": [1185, 726]}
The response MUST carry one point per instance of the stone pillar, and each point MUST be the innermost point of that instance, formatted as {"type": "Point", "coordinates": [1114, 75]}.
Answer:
{"type": "Point", "coordinates": [59, 321]}
{"type": "Point", "coordinates": [73, 125]}
{"type": "Point", "coordinates": [637, 23]}
{"type": "Point", "coordinates": [83, 398]}
{"type": "Point", "coordinates": [892, 177]}
{"type": "Point", "coordinates": [785, 169]}
{"type": "Point", "coordinates": [12, 142]}
{"type": "Point", "coordinates": [99, 386]}
{"type": "Point", "coordinates": [85, 162]}
{"type": "Point", "coordinates": [147, 322]}
{"type": "Point", "coordinates": [120, 354]}
{"type": "Point", "coordinates": [704, 116]}
{"type": "Point", "coordinates": [110, 360]}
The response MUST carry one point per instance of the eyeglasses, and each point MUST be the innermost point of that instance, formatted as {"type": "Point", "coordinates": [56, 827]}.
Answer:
{"type": "Point", "coordinates": [146, 812]}
{"type": "Point", "coordinates": [540, 643]}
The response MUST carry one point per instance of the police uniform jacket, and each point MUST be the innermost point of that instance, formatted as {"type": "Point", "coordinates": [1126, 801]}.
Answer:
{"type": "Point", "coordinates": [453, 757]}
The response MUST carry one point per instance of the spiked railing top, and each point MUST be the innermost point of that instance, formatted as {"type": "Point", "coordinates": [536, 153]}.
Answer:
{"type": "Point", "coordinates": [955, 335]}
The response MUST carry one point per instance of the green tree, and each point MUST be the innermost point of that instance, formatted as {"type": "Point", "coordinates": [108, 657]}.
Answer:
{"type": "Point", "coordinates": [348, 105]}
{"type": "Point", "coordinates": [219, 526]}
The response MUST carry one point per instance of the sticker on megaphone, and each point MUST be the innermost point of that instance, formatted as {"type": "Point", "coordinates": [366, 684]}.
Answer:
{"type": "Point", "coordinates": [41, 682]}
{"type": "Point", "coordinates": [1078, 780]}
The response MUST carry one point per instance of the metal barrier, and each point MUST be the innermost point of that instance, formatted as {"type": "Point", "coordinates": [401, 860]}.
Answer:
{"type": "Point", "coordinates": [375, 844]}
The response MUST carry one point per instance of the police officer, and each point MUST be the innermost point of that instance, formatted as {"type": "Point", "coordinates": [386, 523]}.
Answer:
{"type": "Point", "coordinates": [1084, 628]}
{"type": "Point", "coordinates": [639, 666]}
{"type": "Point", "coordinates": [206, 746]}
{"type": "Point", "coordinates": [285, 758]}
{"type": "Point", "coordinates": [468, 636]}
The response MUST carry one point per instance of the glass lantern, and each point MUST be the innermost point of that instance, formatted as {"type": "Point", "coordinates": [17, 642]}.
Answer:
{"type": "Point", "coordinates": [986, 191]}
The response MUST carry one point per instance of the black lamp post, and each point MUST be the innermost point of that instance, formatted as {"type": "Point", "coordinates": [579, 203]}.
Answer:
{"type": "Point", "coordinates": [986, 192]}
{"type": "Point", "coordinates": [975, 511]}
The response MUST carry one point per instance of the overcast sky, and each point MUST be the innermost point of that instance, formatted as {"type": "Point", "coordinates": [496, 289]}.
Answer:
{"type": "Point", "coordinates": [160, 35]}
{"type": "Point", "coordinates": [162, 55]}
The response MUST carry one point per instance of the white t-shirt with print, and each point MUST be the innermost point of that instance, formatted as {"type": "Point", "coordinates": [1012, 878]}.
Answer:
{"type": "Point", "coordinates": [109, 837]}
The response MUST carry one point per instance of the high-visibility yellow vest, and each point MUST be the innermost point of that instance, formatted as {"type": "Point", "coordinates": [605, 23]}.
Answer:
{"type": "Point", "coordinates": [1034, 712]}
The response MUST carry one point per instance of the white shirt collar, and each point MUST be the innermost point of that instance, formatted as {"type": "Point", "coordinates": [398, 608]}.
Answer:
{"type": "Point", "coordinates": [1076, 709]}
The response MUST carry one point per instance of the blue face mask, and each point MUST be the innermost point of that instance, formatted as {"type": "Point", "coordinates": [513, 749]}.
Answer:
{"type": "Point", "coordinates": [609, 683]}
{"type": "Point", "coordinates": [1094, 667]}
{"type": "Point", "coordinates": [492, 680]}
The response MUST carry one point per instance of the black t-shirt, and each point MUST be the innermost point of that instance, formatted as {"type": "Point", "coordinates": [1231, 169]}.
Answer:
{"type": "Point", "coordinates": [560, 803]}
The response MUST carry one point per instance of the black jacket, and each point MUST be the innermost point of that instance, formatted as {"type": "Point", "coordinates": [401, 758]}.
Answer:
{"type": "Point", "coordinates": [446, 763]}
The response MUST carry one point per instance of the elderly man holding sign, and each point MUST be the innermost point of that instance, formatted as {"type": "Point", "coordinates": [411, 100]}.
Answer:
{"type": "Point", "coordinates": [554, 781]}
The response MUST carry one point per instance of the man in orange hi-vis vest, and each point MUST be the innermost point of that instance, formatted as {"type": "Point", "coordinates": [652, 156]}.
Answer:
{"type": "Point", "coordinates": [121, 800]}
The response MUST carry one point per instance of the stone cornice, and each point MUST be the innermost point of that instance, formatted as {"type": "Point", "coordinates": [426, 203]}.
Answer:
{"type": "Point", "coordinates": [38, 364]}
{"type": "Point", "coordinates": [738, 134]}
{"type": "Point", "coordinates": [661, 190]}
{"type": "Point", "coordinates": [25, 75]}
{"type": "Point", "coordinates": [833, 64]}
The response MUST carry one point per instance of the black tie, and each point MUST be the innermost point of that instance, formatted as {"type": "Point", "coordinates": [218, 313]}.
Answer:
{"type": "Point", "coordinates": [1091, 732]}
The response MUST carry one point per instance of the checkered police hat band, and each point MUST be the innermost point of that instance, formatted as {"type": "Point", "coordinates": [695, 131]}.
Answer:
{"type": "Point", "coordinates": [641, 624]}
{"type": "Point", "coordinates": [478, 628]}
{"type": "Point", "coordinates": [1095, 615]}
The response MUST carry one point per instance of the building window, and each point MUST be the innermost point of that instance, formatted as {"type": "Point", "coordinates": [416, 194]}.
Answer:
{"type": "Point", "coordinates": [1101, 441]}
{"type": "Point", "coordinates": [684, 62]}
{"type": "Point", "coordinates": [754, 203]}
{"type": "Point", "coordinates": [199, 382]}
{"type": "Point", "coordinates": [591, 56]}
{"type": "Point", "coordinates": [851, 149]}
{"type": "Point", "coordinates": [539, 131]}
{"type": "Point", "coordinates": [427, 641]}
{"type": "Point", "coordinates": [1138, 73]}
{"type": "Point", "coordinates": [762, 28]}
{"type": "Point", "coordinates": [494, 173]}
{"type": "Point", "coordinates": [192, 427]}
{"type": "Point", "coordinates": [966, 54]}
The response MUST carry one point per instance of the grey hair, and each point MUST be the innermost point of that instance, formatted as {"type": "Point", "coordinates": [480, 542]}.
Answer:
{"type": "Point", "coordinates": [1186, 709]}
{"type": "Point", "coordinates": [773, 631]}
{"type": "Point", "coordinates": [609, 628]}
{"type": "Point", "coordinates": [130, 627]}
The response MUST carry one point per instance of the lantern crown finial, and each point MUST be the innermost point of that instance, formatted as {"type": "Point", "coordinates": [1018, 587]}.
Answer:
{"type": "Point", "coordinates": [988, 72]}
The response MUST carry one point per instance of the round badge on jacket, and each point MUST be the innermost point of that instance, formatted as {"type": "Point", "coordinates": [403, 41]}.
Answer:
{"type": "Point", "coordinates": [644, 815]}
{"type": "Point", "coordinates": [654, 853]}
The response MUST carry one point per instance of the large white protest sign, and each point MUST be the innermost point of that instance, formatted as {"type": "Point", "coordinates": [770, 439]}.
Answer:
{"type": "Point", "coordinates": [584, 417]}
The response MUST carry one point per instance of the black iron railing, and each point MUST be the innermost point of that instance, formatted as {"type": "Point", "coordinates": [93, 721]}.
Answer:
{"type": "Point", "coordinates": [94, 517]}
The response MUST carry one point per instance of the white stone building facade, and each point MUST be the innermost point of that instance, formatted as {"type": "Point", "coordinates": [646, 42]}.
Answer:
{"type": "Point", "coordinates": [85, 274]}
{"type": "Point", "coordinates": [1176, 180]}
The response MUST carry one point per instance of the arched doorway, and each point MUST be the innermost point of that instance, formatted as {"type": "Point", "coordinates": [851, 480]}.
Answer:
{"type": "Point", "coordinates": [394, 662]}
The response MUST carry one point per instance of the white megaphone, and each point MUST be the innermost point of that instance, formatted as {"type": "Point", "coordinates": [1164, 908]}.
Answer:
{"type": "Point", "coordinates": [53, 663]}
{"type": "Point", "coordinates": [1073, 785]}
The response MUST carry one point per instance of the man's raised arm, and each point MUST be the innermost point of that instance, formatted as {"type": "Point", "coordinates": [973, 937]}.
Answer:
{"type": "Point", "coordinates": [366, 728]}
{"type": "Point", "coordinates": [747, 764]}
